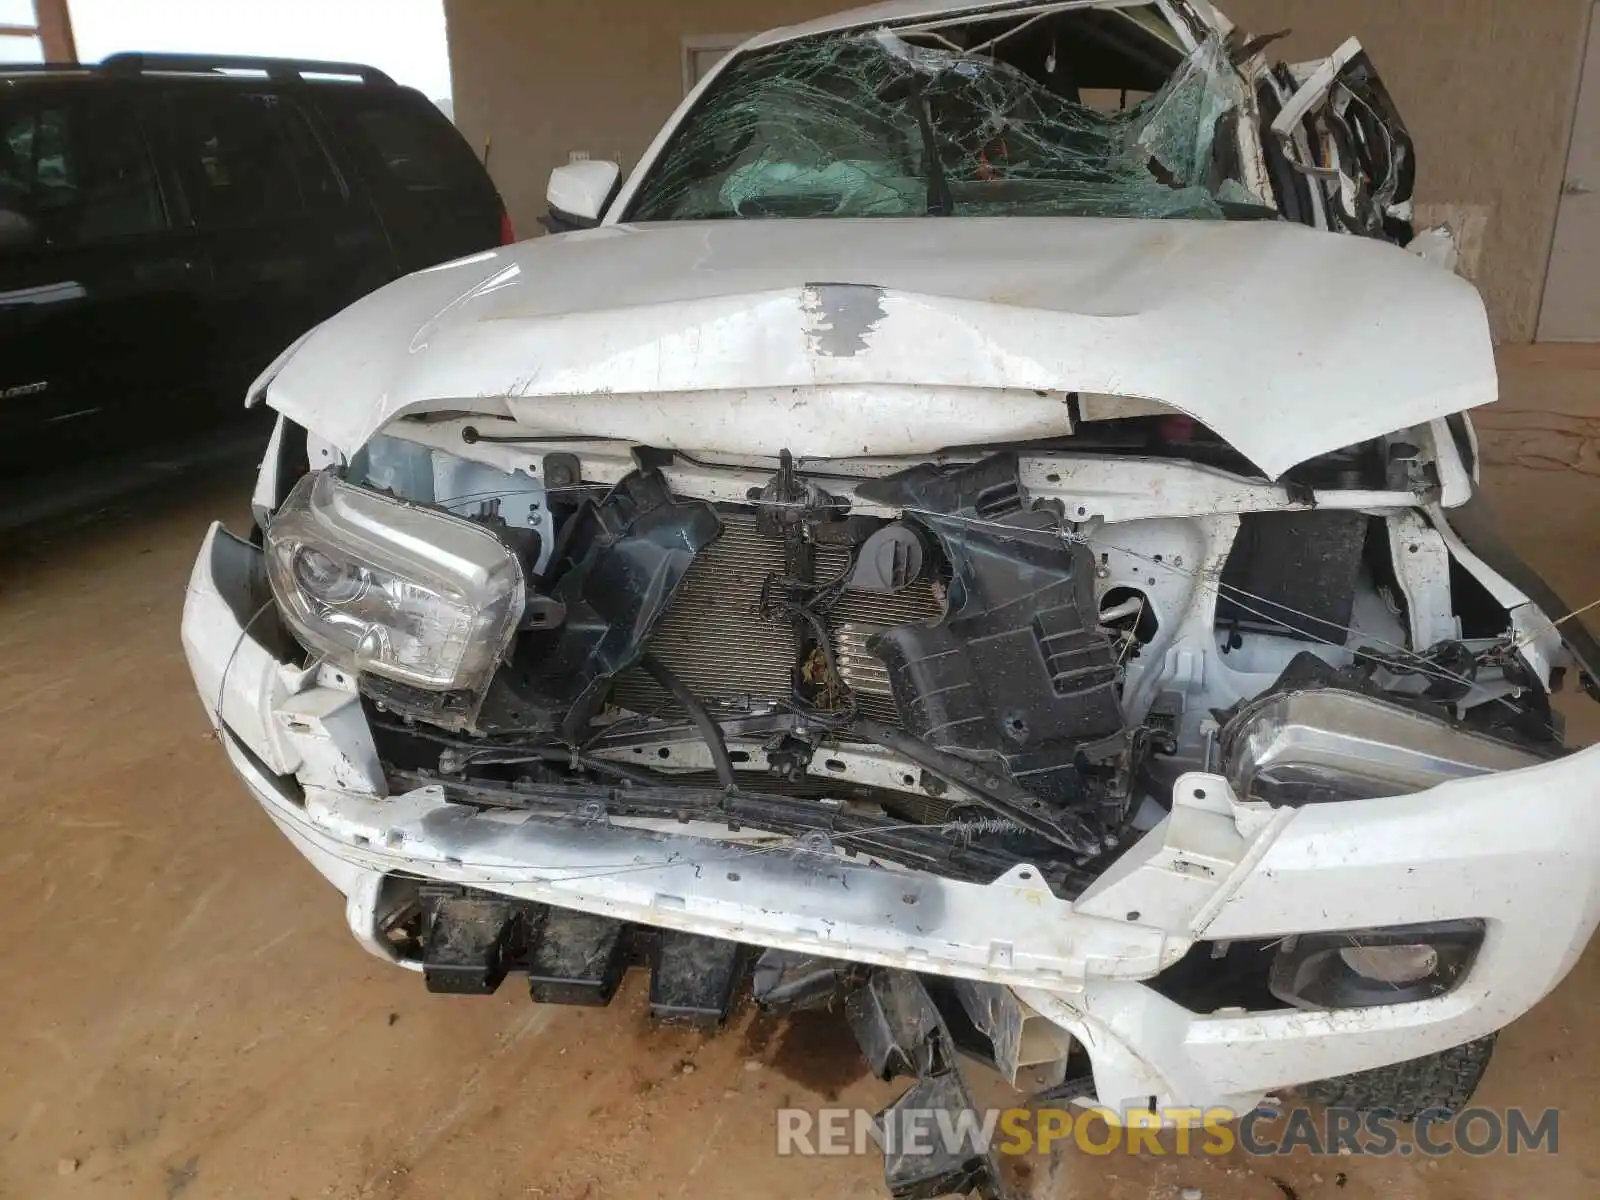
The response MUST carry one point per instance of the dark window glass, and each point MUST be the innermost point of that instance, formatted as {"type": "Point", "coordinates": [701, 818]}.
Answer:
{"type": "Point", "coordinates": [411, 149]}
{"type": "Point", "coordinates": [76, 173]}
{"type": "Point", "coordinates": [319, 182]}
{"type": "Point", "coordinates": [237, 159]}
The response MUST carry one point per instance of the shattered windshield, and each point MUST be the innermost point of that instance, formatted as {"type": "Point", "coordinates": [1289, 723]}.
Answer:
{"type": "Point", "coordinates": [867, 123]}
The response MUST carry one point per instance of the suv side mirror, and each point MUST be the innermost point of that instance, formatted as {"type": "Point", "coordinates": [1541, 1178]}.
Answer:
{"type": "Point", "coordinates": [579, 192]}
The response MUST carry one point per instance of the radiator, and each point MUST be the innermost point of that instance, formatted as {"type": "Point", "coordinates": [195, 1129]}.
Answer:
{"type": "Point", "coordinates": [714, 638]}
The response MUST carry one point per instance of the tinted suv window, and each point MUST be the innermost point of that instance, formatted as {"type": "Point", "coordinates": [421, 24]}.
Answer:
{"type": "Point", "coordinates": [416, 155]}
{"type": "Point", "coordinates": [320, 186]}
{"type": "Point", "coordinates": [78, 172]}
{"type": "Point", "coordinates": [238, 160]}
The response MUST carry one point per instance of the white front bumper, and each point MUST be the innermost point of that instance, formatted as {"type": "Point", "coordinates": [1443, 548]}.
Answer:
{"type": "Point", "coordinates": [1519, 851]}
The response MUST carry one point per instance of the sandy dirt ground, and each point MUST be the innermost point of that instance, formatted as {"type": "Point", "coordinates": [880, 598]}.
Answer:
{"type": "Point", "coordinates": [184, 1014]}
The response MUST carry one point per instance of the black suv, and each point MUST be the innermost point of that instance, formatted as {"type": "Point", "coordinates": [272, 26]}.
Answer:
{"type": "Point", "coordinates": [169, 223]}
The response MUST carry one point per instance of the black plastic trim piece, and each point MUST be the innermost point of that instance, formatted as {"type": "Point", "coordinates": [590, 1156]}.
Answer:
{"type": "Point", "coordinates": [616, 567]}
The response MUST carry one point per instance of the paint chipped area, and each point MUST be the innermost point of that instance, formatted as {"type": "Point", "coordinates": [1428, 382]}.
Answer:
{"type": "Point", "coordinates": [839, 317]}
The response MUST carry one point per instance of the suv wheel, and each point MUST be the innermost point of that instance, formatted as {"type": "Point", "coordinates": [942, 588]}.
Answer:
{"type": "Point", "coordinates": [1444, 1081]}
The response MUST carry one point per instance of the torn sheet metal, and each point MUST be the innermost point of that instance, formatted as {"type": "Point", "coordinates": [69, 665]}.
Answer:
{"type": "Point", "coordinates": [1363, 153]}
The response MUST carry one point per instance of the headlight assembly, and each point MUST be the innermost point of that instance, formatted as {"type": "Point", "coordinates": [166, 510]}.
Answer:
{"type": "Point", "coordinates": [384, 586]}
{"type": "Point", "coordinates": [1323, 744]}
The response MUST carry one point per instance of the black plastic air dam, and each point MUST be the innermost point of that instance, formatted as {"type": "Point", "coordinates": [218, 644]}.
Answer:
{"type": "Point", "coordinates": [576, 958]}
{"type": "Point", "coordinates": [694, 979]}
{"type": "Point", "coordinates": [902, 1033]}
{"type": "Point", "coordinates": [472, 940]}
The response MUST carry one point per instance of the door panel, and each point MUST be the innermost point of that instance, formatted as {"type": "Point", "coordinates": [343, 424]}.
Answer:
{"type": "Point", "coordinates": [287, 244]}
{"type": "Point", "coordinates": [98, 300]}
{"type": "Point", "coordinates": [1571, 308]}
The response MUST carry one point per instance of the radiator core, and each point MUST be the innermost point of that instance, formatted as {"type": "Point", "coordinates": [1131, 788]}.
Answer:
{"type": "Point", "coordinates": [714, 637]}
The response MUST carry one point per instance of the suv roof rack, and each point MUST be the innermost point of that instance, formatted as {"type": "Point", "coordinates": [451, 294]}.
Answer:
{"type": "Point", "coordinates": [134, 62]}
{"type": "Point", "coordinates": [45, 68]}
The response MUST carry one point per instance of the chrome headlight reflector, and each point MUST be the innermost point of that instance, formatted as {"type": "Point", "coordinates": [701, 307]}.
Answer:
{"type": "Point", "coordinates": [388, 587]}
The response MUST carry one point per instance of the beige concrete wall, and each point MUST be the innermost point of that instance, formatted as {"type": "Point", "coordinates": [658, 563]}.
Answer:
{"type": "Point", "coordinates": [1487, 87]}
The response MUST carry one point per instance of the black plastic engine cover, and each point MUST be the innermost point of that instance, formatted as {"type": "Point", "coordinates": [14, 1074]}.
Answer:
{"type": "Point", "coordinates": [1017, 669]}
{"type": "Point", "coordinates": [615, 571]}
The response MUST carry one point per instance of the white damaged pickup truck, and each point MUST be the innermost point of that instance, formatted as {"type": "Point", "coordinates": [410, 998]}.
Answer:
{"type": "Point", "coordinates": [979, 528]}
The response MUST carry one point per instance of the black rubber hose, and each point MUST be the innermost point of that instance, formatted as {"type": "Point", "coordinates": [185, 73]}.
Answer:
{"type": "Point", "coordinates": [709, 729]}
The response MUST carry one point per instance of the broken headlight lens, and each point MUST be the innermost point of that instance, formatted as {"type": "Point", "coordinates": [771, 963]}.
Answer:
{"type": "Point", "coordinates": [1367, 967]}
{"type": "Point", "coordinates": [384, 586]}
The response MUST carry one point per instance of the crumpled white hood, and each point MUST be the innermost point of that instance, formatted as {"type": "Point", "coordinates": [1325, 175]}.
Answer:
{"type": "Point", "coordinates": [833, 338]}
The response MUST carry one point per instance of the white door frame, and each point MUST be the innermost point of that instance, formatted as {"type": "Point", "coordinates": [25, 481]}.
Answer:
{"type": "Point", "coordinates": [1590, 29]}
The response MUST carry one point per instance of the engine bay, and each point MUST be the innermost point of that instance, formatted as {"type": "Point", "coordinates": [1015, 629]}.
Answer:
{"type": "Point", "coordinates": [951, 665]}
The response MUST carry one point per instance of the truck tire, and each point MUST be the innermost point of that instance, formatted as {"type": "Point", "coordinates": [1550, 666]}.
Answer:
{"type": "Point", "coordinates": [1444, 1081]}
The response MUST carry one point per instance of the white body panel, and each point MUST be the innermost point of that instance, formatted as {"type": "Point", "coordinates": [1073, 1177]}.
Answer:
{"type": "Point", "coordinates": [1216, 868]}
{"type": "Point", "coordinates": [842, 338]}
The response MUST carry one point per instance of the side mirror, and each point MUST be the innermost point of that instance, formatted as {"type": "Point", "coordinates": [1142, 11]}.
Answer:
{"type": "Point", "coordinates": [579, 192]}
